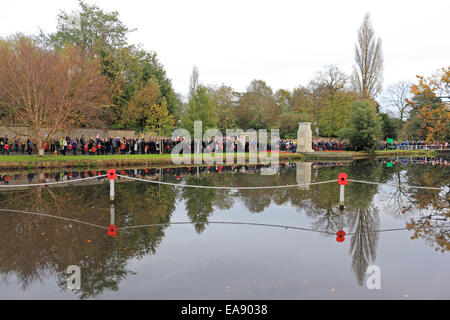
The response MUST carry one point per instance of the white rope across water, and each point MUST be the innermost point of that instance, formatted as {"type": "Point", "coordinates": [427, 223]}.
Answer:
{"type": "Point", "coordinates": [257, 225]}
{"type": "Point", "coordinates": [214, 187]}
{"type": "Point", "coordinates": [286, 227]}
{"type": "Point", "coordinates": [271, 187]}
{"type": "Point", "coordinates": [226, 188]}
{"type": "Point", "coordinates": [50, 183]}
{"type": "Point", "coordinates": [51, 216]}
{"type": "Point", "coordinates": [394, 185]}
{"type": "Point", "coordinates": [225, 222]}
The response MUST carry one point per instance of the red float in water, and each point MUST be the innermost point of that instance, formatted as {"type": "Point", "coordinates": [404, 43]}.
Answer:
{"type": "Point", "coordinates": [343, 179]}
{"type": "Point", "coordinates": [340, 236]}
{"type": "Point", "coordinates": [112, 175]}
{"type": "Point", "coordinates": [112, 231]}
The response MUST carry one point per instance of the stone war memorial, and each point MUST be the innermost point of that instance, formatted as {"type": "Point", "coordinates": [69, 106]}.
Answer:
{"type": "Point", "coordinates": [304, 138]}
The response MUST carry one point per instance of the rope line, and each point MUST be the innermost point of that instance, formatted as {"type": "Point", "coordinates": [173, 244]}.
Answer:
{"type": "Point", "coordinates": [192, 223]}
{"type": "Point", "coordinates": [227, 222]}
{"type": "Point", "coordinates": [56, 217]}
{"type": "Point", "coordinates": [50, 183]}
{"type": "Point", "coordinates": [214, 187]}
{"type": "Point", "coordinates": [394, 185]}
{"type": "Point", "coordinates": [376, 231]}
{"type": "Point", "coordinates": [255, 224]}
{"type": "Point", "coordinates": [225, 188]}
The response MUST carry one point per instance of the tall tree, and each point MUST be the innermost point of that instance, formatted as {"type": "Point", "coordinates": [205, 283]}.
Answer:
{"type": "Point", "coordinates": [160, 121]}
{"type": "Point", "coordinates": [89, 28]}
{"type": "Point", "coordinates": [283, 99]}
{"type": "Point", "coordinates": [194, 82]}
{"type": "Point", "coordinates": [44, 90]}
{"type": "Point", "coordinates": [332, 78]}
{"type": "Point", "coordinates": [336, 112]}
{"type": "Point", "coordinates": [367, 78]}
{"type": "Point", "coordinates": [257, 107]}
{"type": "Point", "coordinates": [141, 104]}
{"type": "Point", "coordinates": [429, 118]}
{"type": "Point", "coordinates": [226, 101]}
{"type": "Point", "coordinates": [201, 108]}
{"type": "Point", "coordinates": [396, 97]}
{"type": "Point", "coordinates": [334, 100]}
{"type": "Point", "coordinates": [128, 68]}
{"type": "Point", "coordinates": [318, 101]}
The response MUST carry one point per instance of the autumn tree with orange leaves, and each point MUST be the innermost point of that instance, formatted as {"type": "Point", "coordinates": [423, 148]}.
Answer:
{"type": "Point", "coordinates": [430, 114]}
{"type": "Point", "coordinates": [45, 89]}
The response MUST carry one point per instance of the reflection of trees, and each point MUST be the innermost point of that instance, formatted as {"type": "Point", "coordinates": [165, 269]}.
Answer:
{"type": "Point", "coordinates": [257, 200]}
{"type": "Point", "coordinates": [406, 200]}
{"type": "Point", "coordinates": [321, 203]}
{"type": "Point", "coordinates": [363, 223]}
{"type": "Point", "coordinates": [399, 202]}
{"type": "Point", "coordinates": [362, 217]}
{"type": "Point", "coordinates": [434, 229]}
{"type": "Point", "coordinates": [33, 247]}
{"type": "Point", "coordinates": [199, 202]}
{"type": "Point", "coordinates": [429, 176]}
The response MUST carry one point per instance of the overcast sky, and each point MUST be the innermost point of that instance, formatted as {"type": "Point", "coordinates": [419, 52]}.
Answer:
{"type": "Point", "coordinates": [281, 42]}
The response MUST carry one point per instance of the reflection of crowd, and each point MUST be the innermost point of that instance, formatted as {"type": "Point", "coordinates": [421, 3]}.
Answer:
{"type": "Point", "coordinates": [174, 174]}
{"type": "Point", "coordinates": [419, 161]}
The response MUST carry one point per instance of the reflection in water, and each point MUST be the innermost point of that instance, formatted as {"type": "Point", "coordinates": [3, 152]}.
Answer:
{"type": "Point", "coordinates": [35, 247]}
{"type": "Point", "coordinates": [363, 244]}
{"type": "Point", "coordinates": [434, 229]}
{"type": "Point", "coordinates": [304, 174]}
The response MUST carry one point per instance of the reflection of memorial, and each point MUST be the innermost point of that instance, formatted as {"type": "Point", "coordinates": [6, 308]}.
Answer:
{"type": "Point", "coordinates": [304, 137]}
{"type": "Point", "coordinates": [304, 174]}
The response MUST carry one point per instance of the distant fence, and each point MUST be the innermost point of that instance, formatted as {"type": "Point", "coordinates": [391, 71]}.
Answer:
{"type": "Point", "coordinates": [422, 147]}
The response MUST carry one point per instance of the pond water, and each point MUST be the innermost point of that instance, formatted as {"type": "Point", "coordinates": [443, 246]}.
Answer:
{"type": "Point", "coordinates": [233, 245]}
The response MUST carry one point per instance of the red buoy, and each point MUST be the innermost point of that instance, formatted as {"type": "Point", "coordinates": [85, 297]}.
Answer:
{"type": "Point", "coordinates": [340, 236]}
{"type": "Point", "coordinates": [343, 179]}
{"type": "Point", "coordinates": [112, 175]}
{"type": "Point", "coordinates": [112, 231]}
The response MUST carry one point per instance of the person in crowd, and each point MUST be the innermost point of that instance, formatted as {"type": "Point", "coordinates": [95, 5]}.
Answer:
{"type": "Point", "coordinates": [29, 146]}
{"type": "Point", "coordinates": [4, 145]}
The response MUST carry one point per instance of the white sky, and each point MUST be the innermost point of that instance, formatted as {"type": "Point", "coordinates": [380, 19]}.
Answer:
{"type": "Point", "coordinates": [281, 42]}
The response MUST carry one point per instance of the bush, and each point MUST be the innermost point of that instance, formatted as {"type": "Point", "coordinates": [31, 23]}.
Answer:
{"type": "Point", "coordinates": [363, 126]}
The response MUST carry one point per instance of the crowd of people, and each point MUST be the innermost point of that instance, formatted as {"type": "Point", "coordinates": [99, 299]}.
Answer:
{"type": "Point", "coordinates": [139, 145]}
{"type": "Point", "coordinates": [17, 145]}
{"type": "Point", "coordinates": [412, 145]}
{"type": "Point", "coordinates": [329, 145]}
{"type": "Point", "coordinates": [99, 145]}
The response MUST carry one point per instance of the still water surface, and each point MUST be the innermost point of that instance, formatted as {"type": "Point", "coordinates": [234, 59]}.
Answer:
{"type": "Point", "coordinates": [205, 260]}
